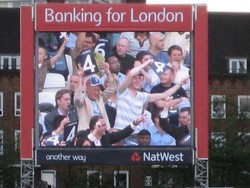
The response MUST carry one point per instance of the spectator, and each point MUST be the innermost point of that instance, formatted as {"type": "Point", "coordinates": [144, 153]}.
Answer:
{"type": "Point", "coordinates": [166, 82]}
{"type": "Point", "coordinates": [130, 100]}
{"type": "Point", "coordinates": [115, 68]}
{"type": "Point", "coordinates": [86, 41]}
{"type": "Point", "coordinates": [121, 52]}
{"type": "Point", "coordinates": [150, 77]}
{"type": "Point", "coordinates": [62, 99]}
{"type": "Point", "coordinates": [156, 47]}
{"type": "Point", "coordinates": [45, 64]}
{"type": "Point", "coordinates": [181, 131]}
{"type": "Point", "coordinates": [72, 85]}
{"type": "Point", "coordinates": [144, 138]}
{"type": "Point", "coordinates": [138, 41]}
{"type": "Point", "coordinates": [180, 71]}
{"type": "Point", "coordinates": [158, 136]}
{"type": "Point", "coordinates": [97, 134]}
{"type": "Point", "coordinates": [181, 39]}
{"type": "Point", "coordinates": [91, 101]}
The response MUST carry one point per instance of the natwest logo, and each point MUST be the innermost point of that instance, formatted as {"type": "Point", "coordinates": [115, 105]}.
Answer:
{"type": "Point", "coordinates": [162, 156]}
{"type": "Point", "coordinates": [135, 157]}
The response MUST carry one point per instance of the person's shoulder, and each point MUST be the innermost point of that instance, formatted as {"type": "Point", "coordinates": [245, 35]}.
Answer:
{"type": "Point", "coordinates": [156, 88]}
{"type": "Point", "coordinates": [128, 56]}
{"type": "Point", "coordinates": [54, 112]}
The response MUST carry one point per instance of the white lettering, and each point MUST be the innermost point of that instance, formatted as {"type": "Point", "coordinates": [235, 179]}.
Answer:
{"type": "Point", "coordinates": [73, 16]}
{"type": "Point", "coordinates": [61, 157]}
{"type": "Point", "coordinates": [162, 156]}
{"type": "Point", "coordinates": [115, 16]}
{"type": "Point", "coordinates": [162, 16]}
{"type": "Point", "coordinates": [57, 157]}
{"type": "Point", "coordinates": [79, 158]}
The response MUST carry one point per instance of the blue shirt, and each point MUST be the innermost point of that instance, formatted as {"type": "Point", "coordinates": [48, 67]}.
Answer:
{"type": "Point", "coordinates": [158, 139]}
{"type": "Point", "coordinates": [162, 57]}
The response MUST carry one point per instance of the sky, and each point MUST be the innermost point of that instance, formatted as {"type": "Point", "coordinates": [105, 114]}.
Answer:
{"type": "Point", "coordinates": [212, 5]}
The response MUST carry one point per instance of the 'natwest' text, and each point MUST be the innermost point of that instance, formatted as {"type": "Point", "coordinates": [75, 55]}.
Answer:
{"type": "Point", "coordinates": [162, 156]}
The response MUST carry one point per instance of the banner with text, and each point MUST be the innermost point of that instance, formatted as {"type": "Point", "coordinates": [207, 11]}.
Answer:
{"type": "Point", "coordinates": [115, 17]}
{"type": "Point", "coordinates": [112, 156]}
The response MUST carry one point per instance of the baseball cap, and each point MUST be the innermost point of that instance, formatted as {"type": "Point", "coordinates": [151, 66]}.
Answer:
{"type": "Point", "coordinates": [94, 80]}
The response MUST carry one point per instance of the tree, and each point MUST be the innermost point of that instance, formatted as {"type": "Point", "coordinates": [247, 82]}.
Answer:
{"type": "Point", "coordinates": [229, 150]}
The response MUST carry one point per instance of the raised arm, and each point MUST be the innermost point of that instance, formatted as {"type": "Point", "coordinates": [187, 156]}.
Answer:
{"type": "Point", "coordinates": [134, 71]}
{"type": "Point", "coordinates": [157, 96]}
{"type": "Point", "coordinates": [78, 96]}
{"type": "Point", "coordinates": [60, 52]}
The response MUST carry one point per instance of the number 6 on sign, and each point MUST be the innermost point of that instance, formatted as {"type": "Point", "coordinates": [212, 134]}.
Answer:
{"type": "Point", "coordinates": [88, 62]}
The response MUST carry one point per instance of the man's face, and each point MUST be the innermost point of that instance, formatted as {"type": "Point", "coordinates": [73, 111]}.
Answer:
{"type": "Point", "coordinates": [184, 118]}
{"type": "Point", "coordinates": [93, 92]}
{"type": "Point", "coordinates": [114, 65]}
{"type": "Point", "coordinates": [158, 42]}
{"type": "Point", "coordinates": [73, 82]}
{"type": "Point", "coordinates": [144, 140]}
{"type": "Point", "coordinates": [87, 43]}
{"type": "Point", "coordinates": [122, 47]}
{"type": "Point", "coordinates": [176, 55]}
{"type": "Point", "coordinates": [100, 127]}
{"type": "Point", "coordinates": [64, 102]}
{"type": "Point", "coordinates": [136, 82]}
{"type": "Point", "coordinates": [167, 77]}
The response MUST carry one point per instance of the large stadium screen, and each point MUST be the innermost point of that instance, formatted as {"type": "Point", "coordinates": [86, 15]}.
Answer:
{"type": "Point", "coordinates": [113, 84]}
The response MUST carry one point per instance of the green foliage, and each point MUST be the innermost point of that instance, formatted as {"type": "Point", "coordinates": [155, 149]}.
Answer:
{"type": "Point", "coordinates": [229, 152]}
{"type": "Point", "coordinates": [9, 174]}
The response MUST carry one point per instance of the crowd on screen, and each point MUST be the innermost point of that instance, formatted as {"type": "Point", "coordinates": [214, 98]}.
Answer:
{"type": "Point", "coordinates": [133, 89]}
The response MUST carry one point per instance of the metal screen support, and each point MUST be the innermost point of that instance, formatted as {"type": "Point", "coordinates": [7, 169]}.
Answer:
{"type": "Point", "coordinates": [27, 173]}
{"type": "Point", "coordinates": [201, 173]}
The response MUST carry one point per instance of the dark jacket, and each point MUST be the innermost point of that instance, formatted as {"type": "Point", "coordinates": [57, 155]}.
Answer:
{"type": "Point", "coordinates": [179, 132]}
{"type": "Point", "coordinates": [108, 139]}
{"type": "Point", "coordinates": [50, 123]}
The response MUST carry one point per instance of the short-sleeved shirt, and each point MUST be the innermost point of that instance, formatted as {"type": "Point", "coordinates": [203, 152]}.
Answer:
{"type": "Point", "coordinates": [129, 107]}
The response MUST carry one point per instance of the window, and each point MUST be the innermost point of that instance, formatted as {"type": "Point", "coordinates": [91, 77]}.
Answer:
{"type": "Point", "coordinates": [48, 177]}
{"type": "Point", "coordinates": [218, 139]}
{"type": "Point", "coordinates": [218, 106]}
{"type": "Point", "coordinates": [17, 139]}
{"type": "Point", "coordinates": [94, 178]}
{"type": "Point", "coordinates": [17, 104]}
{"type": "Point", "coordinates": [244, 106]}
{"type": "Point", "coordinates": [11, 62]}
{"type": "Point", "coordinates": [121, 179]}
{"type": "Point", "coordinates": [245, 137]}
{"type": "Point", "coordinates": [1, 142]}
{"type": "Point", "coordinates": [238, 65]}
{"type": "Point", "coordinates": [1, 103]}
